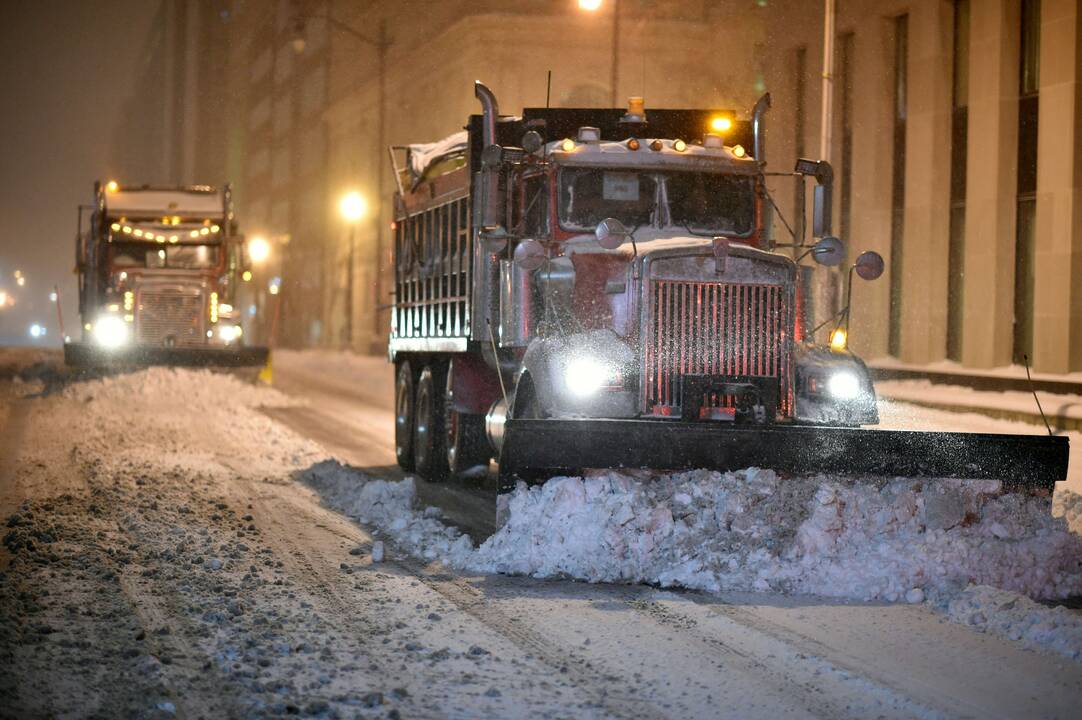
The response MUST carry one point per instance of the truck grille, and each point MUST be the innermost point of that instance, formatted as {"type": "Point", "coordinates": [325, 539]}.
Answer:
{"type": "Point", "coordinates": [172, 313]}
{"type": "Point", "coordinates": [712, 328]}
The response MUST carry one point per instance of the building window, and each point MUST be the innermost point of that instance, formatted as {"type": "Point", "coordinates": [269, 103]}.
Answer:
{"type": "Point", "coordinates": [800, 112]}
{"type": "Point", "coordinates": [1025, 232]}
{"type": "Point", "coordinates": [897, 220]}
{"type": "Point", "coordinates": [959, 128]}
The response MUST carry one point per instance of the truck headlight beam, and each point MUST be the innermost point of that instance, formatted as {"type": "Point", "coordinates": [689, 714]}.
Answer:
{"type": "Point", "coordinates": [585, 376]}
{"type": "Point", "coordinates": [110, 331]}
{"type": "Point", "coordinates": [843, 385]}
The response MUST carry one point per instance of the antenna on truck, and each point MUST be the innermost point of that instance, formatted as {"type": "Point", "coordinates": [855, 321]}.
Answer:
{"type": "Point", "coordinates": [548, 91]}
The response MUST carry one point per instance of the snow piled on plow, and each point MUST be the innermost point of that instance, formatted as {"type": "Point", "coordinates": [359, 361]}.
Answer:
{"type": "Point", "coordinates": [894, 540]}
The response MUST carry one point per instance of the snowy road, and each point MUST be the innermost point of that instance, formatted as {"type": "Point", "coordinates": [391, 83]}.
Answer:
{"type": "Point", "coordinates": [165, 562]}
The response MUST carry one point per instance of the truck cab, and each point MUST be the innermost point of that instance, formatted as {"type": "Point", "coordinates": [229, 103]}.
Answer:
{"type": "Point", "coordinates": [159, 273]}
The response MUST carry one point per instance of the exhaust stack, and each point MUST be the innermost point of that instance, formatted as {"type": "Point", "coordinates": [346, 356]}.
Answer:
{"type": "Point", "coordinates": [491, 111]}
{"type": "Point", "coordinates": [757, 113]}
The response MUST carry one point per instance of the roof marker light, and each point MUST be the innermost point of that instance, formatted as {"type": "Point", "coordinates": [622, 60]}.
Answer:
{"type": "Point", "coordinates": [679, 145]}
{"type": "Point", "coordinates": [632, 144]}
{"type": "Point", "coordinates": [567, 145]}
{"type": "Point", "coordinates": [656, 145]}
{"type": "Point", "coordinates": [112, 186]}
{"type": "Point", "coordinates": [720, 124]}
{"type": "Point", "coordinates": [738, 151]}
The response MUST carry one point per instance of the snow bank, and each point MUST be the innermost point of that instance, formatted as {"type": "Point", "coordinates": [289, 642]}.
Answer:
{"type": "Point", "coordinates": [959, 544]}
{"type": "Point", "coordinates": [389, 507]}
{"type": "Point", "coordinates": [193, 389]}
{"type": "Point", "coordinates": [747, 530]}
{"type": "Point", "coordinates": [1018, 618]}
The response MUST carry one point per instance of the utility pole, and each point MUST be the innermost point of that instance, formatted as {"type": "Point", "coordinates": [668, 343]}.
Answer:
{"type": "Point", "coordinates": [349, 286]}
{"type": "Point", "coordinates": [827, 120]}
{"type": "Point", "coordinates": [382, 45]}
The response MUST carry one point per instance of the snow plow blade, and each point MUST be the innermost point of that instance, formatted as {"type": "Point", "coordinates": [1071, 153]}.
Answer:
{"type": "Point", "coordinates": [535, 448]}
{"type": "Point", "coordinates": [80, 355]}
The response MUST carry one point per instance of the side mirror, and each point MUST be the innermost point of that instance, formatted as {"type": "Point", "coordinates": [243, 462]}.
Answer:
{"type": "Point", "coordinates": [611, 233]}
{"type": "Point", "coordinates": [529, 255]}
{"type": "Point", "coordinates": [869, 265]}
{"type": "Point", "coordinates": [829, 251]}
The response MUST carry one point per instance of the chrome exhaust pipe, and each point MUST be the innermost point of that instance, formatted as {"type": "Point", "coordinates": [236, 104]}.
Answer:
{"type": "Point", "coordinates": [491, 111]}
{"type": "Point", "coordinates": [758, 128]}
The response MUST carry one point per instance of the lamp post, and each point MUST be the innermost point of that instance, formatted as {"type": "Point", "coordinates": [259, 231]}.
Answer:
{"type": "Point", "coordinates": [352, 208]}
{"type": "Point", "coordinates": [381, 43]}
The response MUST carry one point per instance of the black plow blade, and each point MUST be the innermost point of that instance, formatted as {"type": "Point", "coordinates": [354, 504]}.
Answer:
{"type": "Point", "coordinates": [535, 448]}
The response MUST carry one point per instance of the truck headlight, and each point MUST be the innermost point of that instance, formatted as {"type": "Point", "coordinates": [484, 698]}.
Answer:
{"type": "Point", "coordinates": [586, 375]}
{"type": "Point", "coordinates": [229, 333]}
{"type": "Point", "coordinates": [843, 385]}
{"type": "Point", "coordinates": [110, 331]}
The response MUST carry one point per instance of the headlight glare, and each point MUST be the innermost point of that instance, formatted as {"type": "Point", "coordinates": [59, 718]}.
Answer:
{"type": "Point", "coordinates": [585, 376]}
{"type": "Point", "coordinates": [844, 385]}
{"type": "Point", "coordinates": [110, 331]}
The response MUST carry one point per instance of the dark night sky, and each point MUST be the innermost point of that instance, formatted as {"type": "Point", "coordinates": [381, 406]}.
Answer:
{"type": "Point", "coordinates": [68, 67]}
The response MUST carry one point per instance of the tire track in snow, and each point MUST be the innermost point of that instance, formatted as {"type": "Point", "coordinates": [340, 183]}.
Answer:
{"type": "Point", "coordinates": [585, 678]}
{"type": "Point", "coordinates": [796, 668]}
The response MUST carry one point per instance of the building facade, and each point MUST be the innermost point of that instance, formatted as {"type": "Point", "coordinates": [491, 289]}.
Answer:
{"type": "Point", "coordinates": [956, 144]}
{"type": "Point", "coordinates": [954, 141]}
{"type": "Point", "coordinates": [323, 87]}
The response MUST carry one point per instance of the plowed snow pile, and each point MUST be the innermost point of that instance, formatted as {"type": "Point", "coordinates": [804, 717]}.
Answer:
{"type": "Point", "coordinates": [751, 530]}
{"type": "Point", "coordinates": [195, 389]}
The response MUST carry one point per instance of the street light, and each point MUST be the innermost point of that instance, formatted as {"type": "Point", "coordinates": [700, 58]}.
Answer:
{"type": "Point", "coordinates": [352, 207]}
{"type": "Point", "coordinates": [381, 43]}
{"type": "Point", "coordinates": [258, 249]}
{"type": "Point", "coordinates": [589, 5]}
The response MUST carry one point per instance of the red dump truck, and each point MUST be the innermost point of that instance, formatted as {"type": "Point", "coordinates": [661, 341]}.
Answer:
{"type": "Point", "coordinates": [585, 288]}
{"type": "Point", "coordinates": [159, 275]}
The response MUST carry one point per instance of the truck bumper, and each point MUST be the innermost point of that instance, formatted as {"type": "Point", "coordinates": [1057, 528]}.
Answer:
{"type": "Point", "coordinates": [536, 448]}
{"type": "Point", "coordinates": [83, 355]}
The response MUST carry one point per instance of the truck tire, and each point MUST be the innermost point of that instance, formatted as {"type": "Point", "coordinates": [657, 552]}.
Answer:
{"type": "Point", "coordinates": [466, 443]}
{"type": "Point", "coordinates": [429, 451]}
{"type": "Point", "coordinates": [403, 415]}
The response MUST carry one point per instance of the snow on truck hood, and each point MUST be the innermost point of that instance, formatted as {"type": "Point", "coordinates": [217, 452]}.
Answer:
{"type": "Point", "coordinates": [164, 202]}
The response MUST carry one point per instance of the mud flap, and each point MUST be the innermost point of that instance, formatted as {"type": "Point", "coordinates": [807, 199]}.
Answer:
{"type": "Point", "coordinates": [533, 448]}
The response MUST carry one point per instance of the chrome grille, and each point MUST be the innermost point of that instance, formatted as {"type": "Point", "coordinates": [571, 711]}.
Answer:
{"type": "Point", "coordinates": [170, 313]}
{"type": "Point", "coordinates": [712, 328]}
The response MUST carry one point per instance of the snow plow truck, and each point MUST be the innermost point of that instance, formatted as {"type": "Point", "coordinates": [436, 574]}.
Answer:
{"type": "Point", "coordinates": [159, 271]}
{"type": "Point", "coordinates": [599, 288]}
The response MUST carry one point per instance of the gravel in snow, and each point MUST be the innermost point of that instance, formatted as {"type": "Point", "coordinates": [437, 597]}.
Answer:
{"type": "Point", "coordinates": [895, 540]}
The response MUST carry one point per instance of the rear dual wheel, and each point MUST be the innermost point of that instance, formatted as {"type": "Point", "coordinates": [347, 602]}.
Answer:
{"type": "Point", "coordinates": [404, 400]}
{"type": "Point", "coordinates": [432, 438]}
{"type": "Point", "coordinates": [429, 450]}
{"type": "Point", "coordinates": [466, 444]}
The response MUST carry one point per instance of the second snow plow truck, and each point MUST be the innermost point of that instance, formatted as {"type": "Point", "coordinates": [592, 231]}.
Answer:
{"type": "Point", "coordinates": [592, 288]}
{"type": "Point", "coordinates": [160, 270]}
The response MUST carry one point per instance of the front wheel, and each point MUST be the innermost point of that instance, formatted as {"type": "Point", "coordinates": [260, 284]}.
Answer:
{"type": "Point", "coordinates": [429, 453]}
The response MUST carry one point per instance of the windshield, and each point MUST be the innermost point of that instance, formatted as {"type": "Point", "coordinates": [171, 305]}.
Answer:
{"type": "Point", "coordinates": [182, 257]}
{"type": "Point", "coordinates": [702, 202]}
